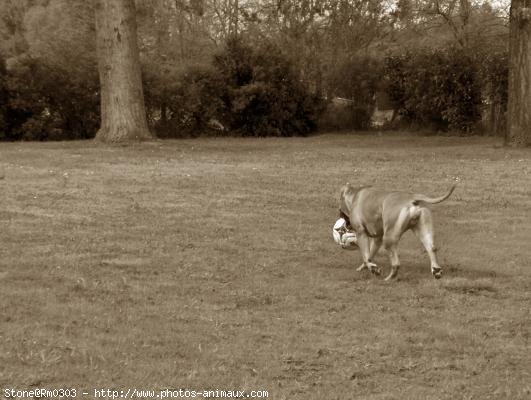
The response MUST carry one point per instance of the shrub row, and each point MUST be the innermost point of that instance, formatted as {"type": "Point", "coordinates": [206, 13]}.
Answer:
{"type": "Point", "coordinates": [447, 89]}
{"type": "Point", "coordinates": [244, 91]}
{"type": "Point", "coordinates": [256, 91]}
{"type": "Point", "coordinates": [38, 102]}
{"type": "Point", "coordinates": [247, 91]}
{"type": "Point", "coordinates": [437, 89]}
{"type": "Point", "coordinates": [356, 81]}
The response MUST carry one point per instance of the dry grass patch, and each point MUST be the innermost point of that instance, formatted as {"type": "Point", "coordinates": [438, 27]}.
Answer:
{"type": "Point", "coordinates": [208, 264]}
{"type": "Point", "coordinates": [469, 286]}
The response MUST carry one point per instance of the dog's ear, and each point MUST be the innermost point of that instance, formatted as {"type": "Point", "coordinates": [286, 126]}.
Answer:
{"type": "Point", "coordinates": [345, 197]}
{"type": "Point", "coordinates": [349, 190]}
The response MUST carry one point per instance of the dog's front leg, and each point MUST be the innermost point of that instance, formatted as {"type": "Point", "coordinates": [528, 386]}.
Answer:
{"type": "Point", "coordinates": [376, 243]}
{"type": "Point", "coordinates": [368, 247]}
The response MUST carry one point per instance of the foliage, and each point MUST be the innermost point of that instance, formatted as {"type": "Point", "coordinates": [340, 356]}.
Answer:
{"type": "Point", "coordinates": [495, 72]}
{"type": "Point", "coordinates": [329, 45]}
{"type": "Point", "coordinates": [61, 33]}
{"type": "Point", "coordinates": [264, 95]}
{"type": "Point", "coordinates": [440, 88]}
{"type": "Point", "coordinates": [3, 99]}
{"type": "Point", "coordinates": [495, 80]}
{"type": "Point", "coordinates": [466, 24]}
{"type": "Point", "coordinates": [249, 91]}
{"type": "Point", "coordinates": [357, 79]}
{"type": "Point", "coordinates": [51, 81]}
{"type": "Point", "coordinates": [186, 102]}
{"type": "Point", "coordinates": [46, 103]}
{"type": "Point", "coordinates": [340, 117]}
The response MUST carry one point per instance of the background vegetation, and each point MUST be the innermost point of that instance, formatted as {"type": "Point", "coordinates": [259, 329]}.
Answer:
{"type": "Point", "coordinates": [261, 67]}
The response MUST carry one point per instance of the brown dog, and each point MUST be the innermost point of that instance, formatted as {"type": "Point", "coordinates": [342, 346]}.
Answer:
{"type": "Point", "coordinates": [379, 216]}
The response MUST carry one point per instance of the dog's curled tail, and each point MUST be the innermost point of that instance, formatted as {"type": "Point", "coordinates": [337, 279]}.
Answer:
{"type": "Point", "coordinates": [418, 199]}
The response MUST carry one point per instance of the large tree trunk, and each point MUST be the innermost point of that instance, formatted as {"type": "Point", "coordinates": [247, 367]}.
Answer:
{"type": "Point", "coordinates": [123, 113]}
{"type": "Point", "coordinates": [519, 107]}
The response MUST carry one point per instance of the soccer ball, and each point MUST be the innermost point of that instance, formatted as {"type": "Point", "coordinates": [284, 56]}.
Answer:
{"type": "Point", "coordinates": [343, 236]}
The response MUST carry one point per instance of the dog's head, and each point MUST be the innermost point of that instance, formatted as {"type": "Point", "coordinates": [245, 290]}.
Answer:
{"type": "Point", "coordinates": [347, 195]}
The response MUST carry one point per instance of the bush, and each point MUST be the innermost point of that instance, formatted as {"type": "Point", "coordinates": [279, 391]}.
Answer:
{"type": "Point", "coordinates": [357, 80]}
{"type": "Point", "coordinates": [440, 89]}
{"type": "Point", "coordinates": [249, 91]}
{"type": "Point", "coordinates": [495, 81]}
{"type": "Point", "coordinates": [187, 104]}
{"type": "Point", "coordinates": [263, 93]}
{"type": "Point", "coordinates": [45, 103]}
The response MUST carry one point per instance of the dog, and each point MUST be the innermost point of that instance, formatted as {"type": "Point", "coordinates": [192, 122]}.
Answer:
{"type": "Point", "coordinates": [381, 217]}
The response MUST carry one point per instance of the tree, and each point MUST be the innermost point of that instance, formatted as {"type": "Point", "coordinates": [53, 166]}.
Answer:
{"type": "Point", "coordinates": [519, 112]}
{"type": "Point", "coordinates": [468, 24]}
{"type": "Point", "coordinates": [123, 114]}
{"type": "Point", "coordinates": [3, 99]}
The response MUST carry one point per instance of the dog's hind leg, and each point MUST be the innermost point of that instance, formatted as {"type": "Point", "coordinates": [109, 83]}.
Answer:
{"type": "Point", "coordinates": [392, 249]}
{"type": "Point", "coordinates": [392, 234]}
{"type": "Point", "coordinates": [424, 231]}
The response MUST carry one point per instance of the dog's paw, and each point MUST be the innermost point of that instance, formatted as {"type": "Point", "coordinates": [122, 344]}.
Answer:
{"type": "Point", "coordinates": [393, 274]}
{"type": "Point", "coordinates": [437, 273]}
{"type": "Point", "coordinates": [374, 268]}
{"type": "Point", "coordinates": [362, 267]}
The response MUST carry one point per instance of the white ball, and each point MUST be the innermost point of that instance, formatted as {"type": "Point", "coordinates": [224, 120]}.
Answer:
{"type": "Point", "coordinates": [343, 236]}
{"type": "Point", "coordinates": [337, 230]}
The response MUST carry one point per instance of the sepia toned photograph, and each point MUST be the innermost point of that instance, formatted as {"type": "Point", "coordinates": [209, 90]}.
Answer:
{"type": "Point", "coordinates": [265, 199]}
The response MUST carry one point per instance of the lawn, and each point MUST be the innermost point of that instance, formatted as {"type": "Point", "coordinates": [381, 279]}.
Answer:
{"type": "Point", "coordinates": [209, 264]}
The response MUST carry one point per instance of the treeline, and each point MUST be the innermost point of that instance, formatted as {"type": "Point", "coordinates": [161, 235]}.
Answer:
{"type": "Point", "coordinates": [243, 91]}
{"type": "Point", "coordinates": [258, 92]}
{"type": "Point", "coordinates": [260, 68]}
{"type": "Point", "coordinates": [449, 89]}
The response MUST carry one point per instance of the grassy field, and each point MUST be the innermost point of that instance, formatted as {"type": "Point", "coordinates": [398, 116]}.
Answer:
{"type": "Point", "coordinates": [209, 264]}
